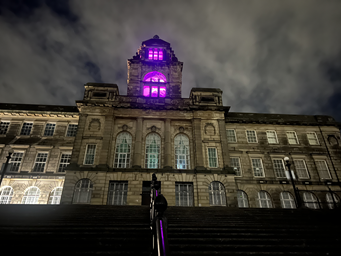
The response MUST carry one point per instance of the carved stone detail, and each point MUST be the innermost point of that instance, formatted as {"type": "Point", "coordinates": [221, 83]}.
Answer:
{"type": "Point", "coordinates": [94, 125]}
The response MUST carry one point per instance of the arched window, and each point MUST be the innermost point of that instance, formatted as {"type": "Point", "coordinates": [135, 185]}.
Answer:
{"type": "Point", "coordinates": [31, 196]}
{"type": "Point", "coordinates": [182, 155]}
{"type": "Point", "coordinates": [83, 191]}
{"type": "Point", "coordinates": [123, 150]}
{"type": "Point", "coordinates": [6, 194]}
{"type": "Point", "coordinates": [55, 196]}
{"type": "Point", "coordinates": [242, 199]}
{"type": "Point", "coordinates": [154, 85]}
{"type": "Point", "coordinates": [310, 200]}
{"type": "Point", "coordinates": [153, 150]}
{"type": "Point", "coordinates": [217, 195]}
{"type": "Point", "coordinates": [330, 200]}
{"type": "Point", "coordinates": [287, 200]}
{"type": "Point", "coordinates": [264, 200]}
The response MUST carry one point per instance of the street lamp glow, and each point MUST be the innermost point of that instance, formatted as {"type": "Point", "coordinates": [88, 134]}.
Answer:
{"type": "Point", "coordinates": [286, 158]}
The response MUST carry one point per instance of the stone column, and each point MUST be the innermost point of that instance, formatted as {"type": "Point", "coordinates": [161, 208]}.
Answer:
{"type": "Point", "coordinates": [199, 158]}
{"type": "Point", "coordinates": [168, 145]}
{"type": "Point", "coordinates": [107, 140]}
{"type": "Point", "coordinates": [138, 144]}
{"type": "Point", "coordinates": [224, 146]}
{"type": "Point", "coordinates": [78, 139]}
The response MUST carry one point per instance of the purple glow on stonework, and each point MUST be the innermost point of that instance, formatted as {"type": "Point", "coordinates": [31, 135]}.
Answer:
{"type": "Point", "coordinates": [155, 54]}
{"type": "Point", "coordinates": [154, 91]}
{"type": "Point", "coordinates": [156, 192]}
{"type": "Point", "coordinates": [162, 91]}
{"type": "Point", "coordinates": [160, 55]}
{"type": "Point", "coordinates": [163, 240]}
{"type": "Point", "coordinates": [155, 76]}
{"type": "Point", "coordinates": [146, 91]}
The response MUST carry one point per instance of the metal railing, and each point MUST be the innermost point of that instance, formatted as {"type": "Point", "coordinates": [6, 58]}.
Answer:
{"type": "Point", "coordinates": [158, 223]}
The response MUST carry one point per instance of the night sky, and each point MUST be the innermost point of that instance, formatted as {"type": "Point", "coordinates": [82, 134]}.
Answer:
{"type": "Point", "coordinates": [268, 56]}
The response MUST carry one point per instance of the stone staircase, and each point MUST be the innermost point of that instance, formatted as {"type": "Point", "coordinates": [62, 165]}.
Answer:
{"type": "Point", "coordinates": [252, 231]}
{"type": "Point", "coordinates": [74, 230]}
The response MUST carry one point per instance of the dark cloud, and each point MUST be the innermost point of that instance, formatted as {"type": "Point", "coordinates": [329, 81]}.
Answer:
{"type": "Point", "coordinates": [267, 56]}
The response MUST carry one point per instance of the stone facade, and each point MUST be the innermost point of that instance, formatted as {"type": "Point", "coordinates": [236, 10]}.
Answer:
{"type": "Point", "coordinates": [104, 115]}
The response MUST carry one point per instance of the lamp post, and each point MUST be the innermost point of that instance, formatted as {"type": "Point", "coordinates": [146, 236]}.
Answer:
{"type": "Point", "coordinates": [297, 195]}
{"type": "Point", "coordinates": [10, 152]}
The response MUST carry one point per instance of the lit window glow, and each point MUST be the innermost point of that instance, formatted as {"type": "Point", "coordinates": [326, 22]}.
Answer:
{"type": "Point", "coordinates": [155, 54]}
{"type": "Point", "coordinates": [160, 55]}
{"type": "Point", "coordinates": [162, 91]}
{"type": "Point", "coordinates": [154, 91]}
{"type": "Point", "coordinates": [146, 91]}
{"type": "Point", "coordinates": [155, 76]}
{"type": "Point", "coordinates": [150, 54]}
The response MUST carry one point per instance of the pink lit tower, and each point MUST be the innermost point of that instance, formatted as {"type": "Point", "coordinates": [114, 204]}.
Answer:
{"type": "Point", "coordinates": [154, 71]}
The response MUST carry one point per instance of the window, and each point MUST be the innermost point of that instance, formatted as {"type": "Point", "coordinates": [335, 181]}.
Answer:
{"type": "Point", "coordinates": [153, 151]}
{"type": "Point", "coordinates": [123, 150]}
{"type": "Point", "coordinates": [322, 169]}
{"type": "Point", "coordinates": [217, 195]}
{"type": "Point", "coordinates": [301, 169]}
{"type": "Point", "coordinates": [251, 136]}
{"type": "Point", "coordinates": [312, 138]}
{"type": "Point", "coordinates": [155, 54]}
{"type": "Point", "coordinates": [118, 192]}
{"type": "Point", "coordinates": [272, 137]}
{"type": "Point", "coordinates": [279, 168]}
{"type": "Point", "coordinates": [83, 191]}
{"type": "Point", "coordinates": [257, 167]}
{"type": "Point", "coordinates": [6, 194]}
{"type": "Point", "coordinates": [212, 157]}
{"type": "Point", "coordinates": [16, 159]}
{"type": "Point", "coordinates": [330, 200]}
{"type": "Point", "coordinates": [49, 129]}
{"type": "Point", "coordinates": [71, 130]}
{"type": "Point", "coordinates": [183, 194]}
{"type": "Point", "coordinates": [287, 200]}
{"type": "Point", "coordinates": [264, 200]}
{"type": "Point", "coordinates": [154, 85]}
{"type": "Point", "coordinates": [4, 127]}
{"type": "Point", "coordinates": [39, 165]}
{"type": "Point", "coordinates": [64, 161]}
{"type": "Point", "coordinates": [310, 200]}
{"type": "Point", "coordinates": [235, 163]}
{"type": "Point", "coordinates": [182, 155]}
{"type": "Point", "coordinates": [31, 196]}
{"type": "Point", "coordinates": [55, 196]}
{"type": "Point", "coordinates": [90, 154]}
{"type": "Point", "coordinates": [26, 128]}
{"type": "Point", "coordinates": [292, 138]}
{"type": "Point", "coordinates": [242, 199]}
{"type": "Point", "coordinates": [231, 136]}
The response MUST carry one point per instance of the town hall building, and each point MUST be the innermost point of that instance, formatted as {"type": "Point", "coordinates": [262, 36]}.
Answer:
{"type": "Point", "coordinates": [104, 150]}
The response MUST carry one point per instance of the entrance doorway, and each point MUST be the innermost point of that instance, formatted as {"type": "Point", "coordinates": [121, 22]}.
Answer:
{"type": "Point", "coordinates": [146, 192]}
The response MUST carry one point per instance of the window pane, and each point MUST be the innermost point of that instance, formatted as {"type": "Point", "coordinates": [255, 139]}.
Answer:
{"type": "Point", "coordinates": [90, 154]}
{"type": "Point", "coordinates": [40, 162]}
{"type": "Point", "coordinates": [272, 137]}
{"type": "Point", "coordinates": [323, 169]}
{"type": "Point", "coordinates": [242, 199]}
{"type": "Point", "coordinates": [64, 162]}
{"type": "Point", "coordinates": [123, 148]}
{"type": "Point", "coordinates": [146, 91]}
{"type": "Point", "coordinates": [55, 196]}
{"type": "Point", "coordinates": [26, 129]}
{"type": "Point", "coordinates": [217, 194]}
{"type": "Point", "coordinates": [16, 161]}
{"type": "Point", "coordinates": [182, 152]}
{"type": "Point", "coordinates": [330, 201]}
{"type": "Point", "coordinates": [153, 145]}
{"type": "Point", "coordinates": [155, 54]}
{"type": "Point", "coordinates": [4, 127]}
{"type": "Point", "coordinates": [310, 200]}
{"type": "Point", "coordinates": [257, 167]}
{"type": "Point", "coordinates": [31, 196]}
{"type": "Point", "coordinates": [279, 168]}
{"type": "Point", "coordinates": [49, 129]}
{"type": "Point", "coordinates": [301, 169]}
{"type": "Point", "coordinates": [287, 200]}
{"type": "Point", "coordinates": [251, 136]}
{"type": "Point", "coordinates": [6, 194]}
{"type": "Point", "coordinates": [83, 191]}
{"type": "Point", "coordinates": [117, 194]}
{"type": "Point", "coordinates": [292, 138]}
{"type": "Point", "coordinates": [231, 136]}
{"type": "Point", "coordinates": [235, 163]}
{"type": "Point", "coordinates": [183, 194]}
{"type": "Point", "coordinates": [212, 157]}
{"type": "Point", "coordinates": [162, 91]}
{"type": "Point", "coordinates": [150, 54]}
{"type": "Point", "coordinates": [312, 138]}
{"type": "Point", "coordinates": [72, 130]}
{"type": "Point", "coordinates": [154, 91]}
{"type": "Point", "coordinates": [264, 200]}
{"type": "Point", "coordinates": [160, 55]}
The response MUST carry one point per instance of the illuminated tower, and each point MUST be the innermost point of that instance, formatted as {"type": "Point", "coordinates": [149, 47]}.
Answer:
{"type": "Point", "coordinates": [154, 71]}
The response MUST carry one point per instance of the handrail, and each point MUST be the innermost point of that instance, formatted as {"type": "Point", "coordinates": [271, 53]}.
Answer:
{"type": "Point", "coordinates": [158, 223]}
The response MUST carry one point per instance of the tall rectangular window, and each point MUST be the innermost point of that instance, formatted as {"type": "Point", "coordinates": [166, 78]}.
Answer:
{"type": "Point", "coordinates": [279, 168]}
{"type": "Point", "coordinates": [292, 138]}
{"type": "Point", "coordinates": [231, 136]}
{"type": "Point", "coordinates": [272, 137]}
{"type": "Point", "coordinates": [49, 129]}
{"type": "Point", "coordinates": [183, 194]}
{"type": "Point", "coordinates": [212, 157]}
{"type": "Point", "coordinates": [251, 136]}
{"type": "Point", "coordinates": [312, 138]}
{"type": "Point", "coordinates": [4, 127]}
{"type": "Point", "coordinates": [71, 130]}
{"type": "Point", "coordinates": [235, 163]}
{"type": "Point", "coordinates": [26, 128]}
{"type": "Point", "coordinates": [40, 163]}
{"type": "Point", "coordinates": [16, 160]}
{"type": "Point", "coordinates": [90, 154]}
{"type": "Point", "coordinates": [301, 169]}
{"type": "Point", "coordinates": [117, 194]}
{"type": "Point", "coordinates": [64, 161]}
{"type": "Point", "coordinates": [257, 167]}
{"type": "Point", "coordinates": [322, 169]}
